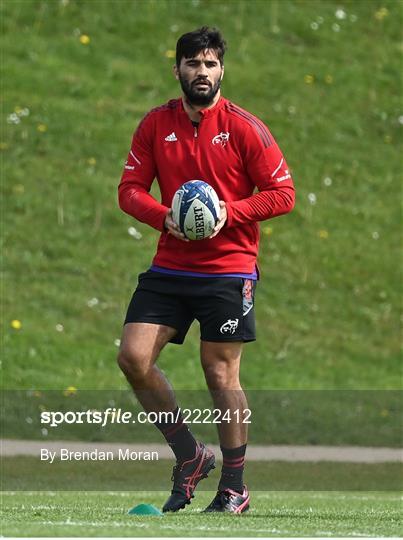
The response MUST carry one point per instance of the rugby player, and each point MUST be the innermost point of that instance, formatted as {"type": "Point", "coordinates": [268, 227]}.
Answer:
{"type": "Point", "coordinates": [200, 136]}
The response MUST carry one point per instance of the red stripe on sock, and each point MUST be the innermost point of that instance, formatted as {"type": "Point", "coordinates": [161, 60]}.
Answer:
{"type": "Point", "coordinates": [233, 460]}
{"type": "Point", "coordinates": [236, 465]}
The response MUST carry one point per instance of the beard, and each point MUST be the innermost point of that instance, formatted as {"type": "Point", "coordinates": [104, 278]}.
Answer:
{"type": "Point", "coordinates": [196, 96]}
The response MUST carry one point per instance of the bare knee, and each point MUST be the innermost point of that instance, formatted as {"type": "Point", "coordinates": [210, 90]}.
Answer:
{"type": "Point", "coordinates": [134, 364]}
{"type": "Point", "coordinates": [221, 376]}
{"type": "Point", "coordinates": [141, 345]}
{"type": "Point", "coordinates": [221, 363]}
{"type": "Point", "coordinates": [216, 379]}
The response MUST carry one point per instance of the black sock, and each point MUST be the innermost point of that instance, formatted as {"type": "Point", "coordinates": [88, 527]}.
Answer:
{"type": "Point", "coordinates": [178, 436]}
{"type": "Point", "coordinates": [232, 468]}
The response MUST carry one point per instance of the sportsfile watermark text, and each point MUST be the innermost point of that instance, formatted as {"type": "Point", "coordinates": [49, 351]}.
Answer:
{"type": "Point", "coordinates": [113, 415]}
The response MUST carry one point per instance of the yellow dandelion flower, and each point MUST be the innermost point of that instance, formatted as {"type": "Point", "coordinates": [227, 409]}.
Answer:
{"type": "Point", "coordinates": [91, 161]}
{"type": "Point", "coordinates": [267, 230]}
{"type": "Point", "coordinates": [323, 234]}
{"type": "Point", "coordinates": [4, 145]}
{"type": "Point", "coordinates": [17, 109]}
{"type": "Point", "coordinates": [308, 79]}
{"type": "Point", "coordinates": [42, 128]}
{"type": "Point", "coordinates": [70, 391]}
{"type": "Point", "coordinates": [387, 139]}
{"type": "Point", "coordinates": [170, 53]}
{"type": "Point", "coordinates": [16, 324]}
{"type": "Point", "coordinates": [18, 188]}
{"type": "Point", "coordinates": [329, 79]}
{"type": "Point", "coordinates": [381, 13]}
{"type": "Point", "coordinates": [84, 39]}
{"type": "Point", "coordinates": [384, 413]}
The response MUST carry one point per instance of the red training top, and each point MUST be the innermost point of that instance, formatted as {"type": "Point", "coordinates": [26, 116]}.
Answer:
{"type": "Point", "coordinates": [231, 150]}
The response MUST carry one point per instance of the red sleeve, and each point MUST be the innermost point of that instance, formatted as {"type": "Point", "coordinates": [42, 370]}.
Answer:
{"type": "Point", "coordinates": [138, 175]}
{"type": "Point", "coordinates": [268, 170]}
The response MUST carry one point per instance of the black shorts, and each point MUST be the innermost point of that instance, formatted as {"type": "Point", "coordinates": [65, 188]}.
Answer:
{"type": "Point", "coordinates": [224, 306]}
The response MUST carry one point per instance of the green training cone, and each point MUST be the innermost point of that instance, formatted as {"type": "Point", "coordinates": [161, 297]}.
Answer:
{"type": "Point", "coordinates": [145, 510]}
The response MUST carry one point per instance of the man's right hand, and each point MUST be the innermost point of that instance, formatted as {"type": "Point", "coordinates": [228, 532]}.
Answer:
{"type": "Point", "coordinates": [173, 228]}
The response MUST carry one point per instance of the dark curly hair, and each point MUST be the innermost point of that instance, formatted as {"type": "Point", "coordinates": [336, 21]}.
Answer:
{"type": "Point", "coordinates": [190, 44]}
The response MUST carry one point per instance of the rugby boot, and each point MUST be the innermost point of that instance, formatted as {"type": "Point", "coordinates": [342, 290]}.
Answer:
{"type": "Point", "coordinates": [228, 500]}
{"type": "Point", "coordinates": [186, 475]}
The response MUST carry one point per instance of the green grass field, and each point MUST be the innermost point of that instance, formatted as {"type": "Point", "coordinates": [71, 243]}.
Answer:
{"type": "Point", "coordinates": [272, 514]}
{"type": "Point", "coordinates": [288, 499]}
{"type": "Point", "coordinates": [77, 77]}
{"type": "Point", "coordinates": [329, 88]}
{"type": "Point", "coordinates": [360, 418]}
{"type": "Point", "coordinates": [28, 473]}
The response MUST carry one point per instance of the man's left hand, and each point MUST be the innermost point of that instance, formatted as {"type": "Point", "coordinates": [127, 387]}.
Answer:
{"type": "Point", "coordinates": [221, 221]}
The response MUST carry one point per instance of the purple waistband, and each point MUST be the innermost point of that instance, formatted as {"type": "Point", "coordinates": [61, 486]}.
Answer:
{"type": "Point", "coordinates": [185, 273]}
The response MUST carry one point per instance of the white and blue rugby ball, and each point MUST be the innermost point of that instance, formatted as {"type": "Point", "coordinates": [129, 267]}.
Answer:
{"type": "Point", "coordinates": [196, 209]}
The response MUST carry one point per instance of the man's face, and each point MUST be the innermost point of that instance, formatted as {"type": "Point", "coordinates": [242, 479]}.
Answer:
{"type": "Point", "coordinates": [200, 77]}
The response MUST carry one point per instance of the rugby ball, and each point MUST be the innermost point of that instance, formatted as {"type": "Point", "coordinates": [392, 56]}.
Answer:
{"type": "Point", "coordinates": [196, 209]}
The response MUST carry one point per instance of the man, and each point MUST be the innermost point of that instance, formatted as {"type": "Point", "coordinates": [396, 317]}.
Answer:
{"type": "Point", "coordinates": [200, 136]}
